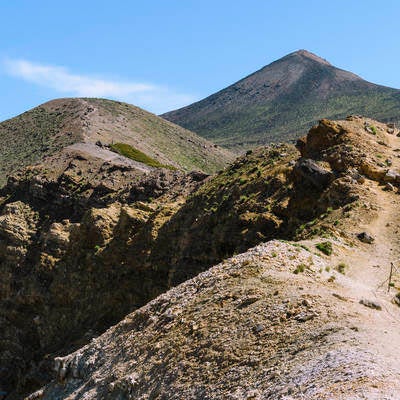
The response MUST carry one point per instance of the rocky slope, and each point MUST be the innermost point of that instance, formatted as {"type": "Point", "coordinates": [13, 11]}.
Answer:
{"type": "Point", "coordinates": [282, 100]}
{"type": "Point", "coordinates": [249, 328]}
{"type": "Point", "coordinates": [53, 126]}
{"type": "Point", "coordinates": [86, 243]}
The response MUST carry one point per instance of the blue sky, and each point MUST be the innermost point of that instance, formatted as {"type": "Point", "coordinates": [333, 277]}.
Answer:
{"type": "Point", "coordinates": [164, 54]}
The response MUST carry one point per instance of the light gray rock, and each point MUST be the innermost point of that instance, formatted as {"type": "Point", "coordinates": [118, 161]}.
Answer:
{"type": "Point", "coordinates": [371, 304]}
{"type": "Point", "coordinates": [391, 176]}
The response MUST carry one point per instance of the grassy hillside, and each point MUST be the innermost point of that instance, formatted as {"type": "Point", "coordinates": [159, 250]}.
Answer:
{"type": "Point", "coordinates": [26, 139]}
{"type": "Point", "coordinates": [50, 127]}
{"type": "Point", "coordinates": [169, 144]}
{"type": "Point", "coordinates": [282, 100]}
{"type": "Point", "coordinates": [284, 121]}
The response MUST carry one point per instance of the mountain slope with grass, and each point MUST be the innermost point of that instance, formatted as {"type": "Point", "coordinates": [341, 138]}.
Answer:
{"type": "Point", "coordinates": [282, 100]}
{"type": "Point", "coordinates": [53, 126]}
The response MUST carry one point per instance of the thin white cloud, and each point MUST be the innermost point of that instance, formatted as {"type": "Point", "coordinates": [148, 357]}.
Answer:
{"type": "Point", "coordinates": [152, 97]}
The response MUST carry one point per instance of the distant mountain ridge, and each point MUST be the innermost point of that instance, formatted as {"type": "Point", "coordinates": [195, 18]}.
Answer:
{"type": "Point", "coordinates": [47, 129]}
{"type": "Point", "coordinates": [283, 99]}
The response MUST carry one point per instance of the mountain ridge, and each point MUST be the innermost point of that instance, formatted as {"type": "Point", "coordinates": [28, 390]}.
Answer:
{"type": "Point", "coordinates": [284, 98]}
{"type": "Point", "coordinates": [53, 126]}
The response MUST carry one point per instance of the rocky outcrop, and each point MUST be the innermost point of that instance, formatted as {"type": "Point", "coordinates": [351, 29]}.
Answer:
{"type": "Point", "coordinates": [17, 226]}
{"type": "Point", "coordinates": [61, 242]}
{"type": "Point", "coordinates": [321, 137]}
{"type": "Point", "coordinates": [349, 146]}
{"type": "Point", "coordinates": [71, 182]}
{"type": "Point", "coordinates": [56, 240]}
{"type": "Point", "coordinates": [311, 172]}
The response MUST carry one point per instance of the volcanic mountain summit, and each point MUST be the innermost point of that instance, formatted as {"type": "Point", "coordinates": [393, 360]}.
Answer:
{"type": "Point", "coordinates": [283, 99]}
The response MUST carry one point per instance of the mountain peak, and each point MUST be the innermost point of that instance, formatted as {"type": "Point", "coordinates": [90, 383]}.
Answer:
{"type": "Point", "coordinates": [282, 99]}
{"type": "Point", "coordinates": [308, 55]}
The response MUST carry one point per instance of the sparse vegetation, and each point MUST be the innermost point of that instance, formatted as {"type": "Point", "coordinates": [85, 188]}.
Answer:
{"type": "Point", "coordinates": [341, 268]}
{"type": "Point", "coordinates": [325, 247]}
{"type": "Point", "coordinates": [301, 246]}
{"type": "Point", "coordinates": [300, 268]}
{"type": "Point", "coordinates": [30, 136]}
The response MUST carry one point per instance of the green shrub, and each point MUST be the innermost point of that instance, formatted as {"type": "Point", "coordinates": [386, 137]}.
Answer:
{"type": "Point", "coordinates": [300, 268]}
{"type": "Point", "coordinates": [341, 267]}
{"type": "Point", "coordinates": [325, 247]}
{"type": "Point", "coordinates": [128, 151]}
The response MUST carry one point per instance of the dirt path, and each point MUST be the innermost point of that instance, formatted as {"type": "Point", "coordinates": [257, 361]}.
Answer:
{"type": "Point", "coordinates": [109, 156]}
{"type": "Point", "coordinates": [370, 263]}
{"type": "Point", "coordinates": [370, 267]}
{"type": "Point", "coordinates": [375, 333]}
{"type": "Point", "coordinates": [368, 277]}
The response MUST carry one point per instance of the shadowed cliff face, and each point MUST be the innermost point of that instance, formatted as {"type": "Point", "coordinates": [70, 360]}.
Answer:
{"type": "Point", "coordinates": [282, 100]}
{"type": "Point", "coordinates": [86, 242]}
